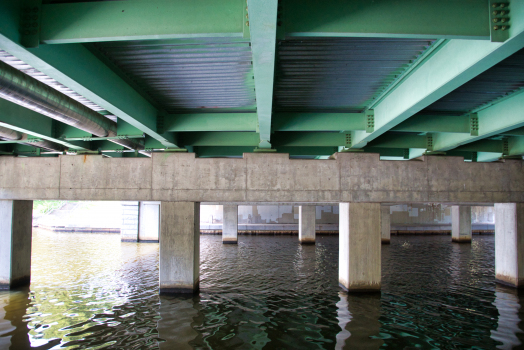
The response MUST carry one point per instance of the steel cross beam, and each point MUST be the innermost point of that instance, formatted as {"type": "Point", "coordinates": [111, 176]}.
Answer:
{"type": "Point", "coordinates": [452, 65]}
{"type": "Point", "coordinates": [497, 119]}
{"type": "Point", "coordinates": [140, 20]}
{"type": "Point", "coordinates": [438, 19]}
{"type": "Point", "coordinates": [263, 29]}
{"type": "Point", "coordinates": [78, 69]}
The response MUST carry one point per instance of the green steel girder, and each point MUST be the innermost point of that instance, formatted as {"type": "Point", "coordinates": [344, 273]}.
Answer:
{"type": "Point", "coordinates": [450, 66]}
{"type": "Point", "coordinates": [263, 30]}
{"type": "Point", "coordinates": [77, 68]}
{"type": "Point", "coordinates": [222, 151]}
{"type": "Point", "coordinates": [219, 139]}
{"type": "Point", "coordinates": [138, 20]}
{"type": "Point", "coordinates": [497, 119]}
{"type": "Point", "coordinates": [318, 121]}
{"type": "Point", "coordinates": [441, 123]}
{"type": "Point", "coordinates": [307, 151]}
{"type": "Point", "coordinates": [399, 140]}
{"type": "Point", "coordinates": [465, 19]}
{"type": "Point", "coordinates": [516, 145]}
{"type": "Point", "coordinates": [492, 146]}
{"type": "Point", "coordinates": [211, 122]}
{"type": "Point", "coordinates": [514, 132]}
{"type": "Point", "coordinates": [24, 120]}
{"type": "Point", "coordinates": [303, 139]}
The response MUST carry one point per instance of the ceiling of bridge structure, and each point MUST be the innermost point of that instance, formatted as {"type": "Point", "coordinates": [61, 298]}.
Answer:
{"type": "Point", "coordinates": [225, 77]}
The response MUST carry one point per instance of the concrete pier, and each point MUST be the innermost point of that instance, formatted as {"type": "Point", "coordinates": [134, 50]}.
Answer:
{"type": "Point", "coordinates": [16, 219]}
{"type": "Point", "coordinates": [461, 224]}
{"type": "Point", "coordinates": [509, 244]}
{"type": "Point", "coordinates": [385, 224]}
{"type": "Point", "coordinates": [149, 222]}
{"type": "Point", "coordinates": [230, 224]}
{"type": "Point", "coordinates": [306, 224]}
{"type": "Point", "coordinates": [359, 247]}
{"type": "Point", "coordinates": [179, 247]}
{"type": "Point", "coordinates": [130, 215]}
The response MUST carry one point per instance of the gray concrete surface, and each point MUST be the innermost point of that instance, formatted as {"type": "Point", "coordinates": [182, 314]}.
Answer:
{"type": "Point", "coordinates": [360, 247]}
{"type": "Point", "coordinates": [149, 222]}
{"type": "Point", "coordinates": [306, 224]}
{"type": "Point", "coordinates": [15, 243]}
{"type": "Point", "coordinates": [461, 224]}
{"type": "Point", "coordinates": [130, 215]}
{"type": "Point", "coordinates": [230, 225]}
{"type": "Point", "coordinates": [179, 247]}
{"type": "Point", "coordinates": [262, 178]}
{"type": "Point", "coordinates": [385, 224]}
{"type": "Point", "coordinates": [509, 244]}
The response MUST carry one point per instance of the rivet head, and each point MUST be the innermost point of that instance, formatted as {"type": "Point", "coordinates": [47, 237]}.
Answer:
{"type": "Point", "coordinates": [495, 27]}
{"type": "Point", "coordinates": [495, 20]}
{"type": "Point", "coordinates": [247, 23]}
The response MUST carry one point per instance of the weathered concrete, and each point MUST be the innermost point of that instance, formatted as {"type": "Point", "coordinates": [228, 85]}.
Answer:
{"type": "Point", "coordinates": [385, 224]}
{"type": "Point", "coordinates": [509, 244]}
{"type": "Point", "coordinates": [16, 219]}
{"type": "Point", "coordinates": [130, 220]}
{"type": "Point", "coordinates": [149, 222]}
{"type": "Point", "coordinates": [263, 178]}
{"type": "Point", "coordinates": [461, 224]}
{"type": "Point", "coordinates": [179, 247]}
{"type": "Point", "coordinates": [359, 247]}
{"type": "Point", "coordinates": [230, 225]}
{"type": "Point", "coordinates": [306, 224]}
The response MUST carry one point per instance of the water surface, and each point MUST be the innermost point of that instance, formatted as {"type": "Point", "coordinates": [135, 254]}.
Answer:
{"type": "Point", "coordinates": [90, 291]}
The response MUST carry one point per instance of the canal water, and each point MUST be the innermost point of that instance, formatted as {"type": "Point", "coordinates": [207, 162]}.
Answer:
{"type": "Point", "coordinates": [90, 291]}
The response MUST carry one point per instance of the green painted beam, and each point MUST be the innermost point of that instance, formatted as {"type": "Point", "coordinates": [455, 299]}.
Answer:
{"type": "Point", "coordinates": [263, 29]}
{"type": "Point", "coordinates": [399, 140]}
{"type": "Point", "coordinates": [514, 132]}
{"type": "Point", "coordinates": [140, 20]}
{"type": "Point", "coordinates": [496, 119]}
{"type": "Point", "coordinates": [465, 19]}
{"type": "Point", "coordinates": [386, 152]}
{"type": "Point", "coordinates": [318, 121]}
{"type": "Point", "coordinates": [306, 139]}
{"type": "Point", "coordinates": [222, 151]}
{"type": "Point", "coordinates": [24, 120]}
{"type": "Point", "coordinates": [307, 151]}
{"type": "Point", "coordinates": [219, 139]}
{"type": "Point", "coordinates": [77, 68]}
{"type": "Point", "coordinates": [516, 145]}
{"type": "Point", "coordinates": [211, 122]}
{"type": "Point", "coordinates": [492, 146]}
{"type": "Point", "coordinates": [426, 123]}
{"type": "Point", "coordinates": [488, 156]}
{"type": "Point", "coordinates": [447, 68]}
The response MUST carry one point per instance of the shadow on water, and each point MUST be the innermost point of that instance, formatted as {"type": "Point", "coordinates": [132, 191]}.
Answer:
{"type": "Point", "coordinates": [94, 292]}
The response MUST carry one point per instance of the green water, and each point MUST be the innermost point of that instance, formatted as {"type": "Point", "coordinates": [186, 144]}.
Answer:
{"type": "Point", "coordinates": [91, 291]}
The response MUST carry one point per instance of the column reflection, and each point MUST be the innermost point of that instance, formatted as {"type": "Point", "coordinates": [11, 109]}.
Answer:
{"type": "Point", "coordinates": [174, 326]}
{"type": "Point", "coordinates": [507, 304]}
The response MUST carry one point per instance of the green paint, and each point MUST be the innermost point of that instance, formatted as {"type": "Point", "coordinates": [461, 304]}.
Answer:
{"type": "Point", "coordinates": [426, 123]}
{"type": "Point", "coordinates": [138, 20]}
{"type": "Point", "coordinates": [211, 122]}
{"type": "Point", "coordinates": [219, 139]}
{"type": "Point", "coordinates": [465, 19]}
{"type": "Point", "coordinates": [318, 121]}
{"type": "Point", "coordinates": [325, 139]}
{"type": "Point", "coordinates": [263, 30]}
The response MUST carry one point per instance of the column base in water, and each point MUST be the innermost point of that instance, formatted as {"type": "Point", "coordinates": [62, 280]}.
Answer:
{"type": "Point", "coordinates": [359, 247]}
{"type": "Point", "coordinates": [230, 224]}
{"type": "Point", "coordinates": [306, 224]}
{"type": "Point", "coordinates": [179, 247]}
{"type": "Point", "coordinates": [461, 224]}
{"type": "Point", "coordinates": [16, 225]}
{"type": "Point", "coordinates": [509, 244]}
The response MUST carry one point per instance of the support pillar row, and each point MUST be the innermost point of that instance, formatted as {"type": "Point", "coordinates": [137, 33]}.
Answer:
{"type": "Point", "coordinates": [509, 244]}
{"type": "Point", "coordinates": [461, 224]}
{"type": "Point", "coordinates": [16, 221]}
{"type": "Point", "coordinates": [359, 247]}
{"type": "Point", "coordinates": [385, 224]}
{"type": "Point", "coordinates": [306, 224]}
{"type": "Point", "coordinates": [230, 224]}
{"type": "Point", "coordinates": [179, 247]}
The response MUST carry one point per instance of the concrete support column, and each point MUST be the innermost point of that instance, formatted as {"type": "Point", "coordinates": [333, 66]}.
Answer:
{"type": "Point", "coordinates": [306, 224]}
{"type": "Point", "coordinates": [179, 247]}
{"type": "Point", "coordinates": [16, 224]}
{"type": "Point", "coordinates": [509, 244]}
{"type": "Point", "coordinates": [359, 247]}
{"type": "Point", "coordinates": [129, 229]}
{"type": "Point", "coordinates": [385, 224]}
{"type": "Point", "coordinates": [230, 224]}
{"type": "Point", "coordinates": [149, 222]}
{"type": "Point", "coordinates": [461, 224]}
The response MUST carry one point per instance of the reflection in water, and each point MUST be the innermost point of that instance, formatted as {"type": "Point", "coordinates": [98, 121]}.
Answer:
{"type": "Point", "coordinates": [92, 292]}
